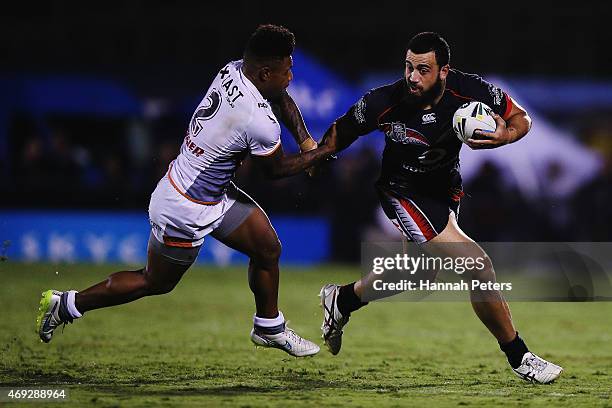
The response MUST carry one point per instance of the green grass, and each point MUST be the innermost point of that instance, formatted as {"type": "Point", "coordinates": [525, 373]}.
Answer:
{"type": "Point", "coordinates": [191, 347]}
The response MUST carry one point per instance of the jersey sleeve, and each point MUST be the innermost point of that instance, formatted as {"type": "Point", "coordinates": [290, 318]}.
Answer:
{"type": "Point", "coordinates": [488, 93]}
{"type": "Point", "coordinates": [263, 135]}
{"type": "Point", "coordinates": [362, 117]}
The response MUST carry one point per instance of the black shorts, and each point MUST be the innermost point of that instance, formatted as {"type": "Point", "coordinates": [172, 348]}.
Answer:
{"type": "Point", "coordinates": [420, 217]}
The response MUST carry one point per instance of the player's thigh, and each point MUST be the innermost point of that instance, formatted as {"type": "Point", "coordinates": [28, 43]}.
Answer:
{"type": "Point", "coordinates": [167, 264]}
{"type": "Point", "coordinates": [178, 228]}
{"type": "Point", "coordinates": [454, 243]}
{"type": "Point", "coordinates": [246, 228]}
{"type": "Point", "coordinates": [452, 232]}
{"type": "Point", "coordinates": [432, 223]}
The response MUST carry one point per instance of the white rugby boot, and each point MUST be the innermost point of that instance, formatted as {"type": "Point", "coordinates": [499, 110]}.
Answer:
{"type": "Point", "coordinates": [333, 321]}
{"type": "Point", "coordinates": [287, 340]}
{"type": "Point", "coordinates": [537, 370]}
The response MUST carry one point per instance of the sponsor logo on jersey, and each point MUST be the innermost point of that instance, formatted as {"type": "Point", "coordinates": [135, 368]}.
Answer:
{"type": "Point", "coordinates": [232, 92]}
{"type": "Point", "coordinates": [497, 94]}
{"type": "Point", "coordinates": [398, 132]}
{"type": "Point", "coordinates": [359, 111]}
{"type": "Point", "coordinates": [192, 148]}
{"type": "Point", "coordinates": [429, 118]}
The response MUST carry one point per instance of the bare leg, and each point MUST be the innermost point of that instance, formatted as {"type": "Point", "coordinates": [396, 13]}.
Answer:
{"type": "Point", "coordinates": [158, 277]}
{"type": "Point", "coordinates": [256, 238]}
{"type": "Point", "coordinates": [490, 306]}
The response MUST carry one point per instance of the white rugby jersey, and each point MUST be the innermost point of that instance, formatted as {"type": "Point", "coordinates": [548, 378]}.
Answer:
{"type": "Point", "coordinates": [232, 120]}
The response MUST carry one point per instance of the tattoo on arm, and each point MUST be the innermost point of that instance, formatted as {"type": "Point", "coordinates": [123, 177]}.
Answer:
{"type": "Point", "coordinates": [278, 165]}
{"type": "Point", "coordinates": [294, 164]}
{"type": "Point", "coordinates": [292, 118]}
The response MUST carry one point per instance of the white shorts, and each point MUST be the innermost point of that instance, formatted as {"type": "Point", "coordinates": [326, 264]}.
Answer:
{"type": "Point", "coordinates": [176, 221]}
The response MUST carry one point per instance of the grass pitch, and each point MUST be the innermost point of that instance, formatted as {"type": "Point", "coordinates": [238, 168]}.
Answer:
{"type": "Point", "coordinates": [191, 347]}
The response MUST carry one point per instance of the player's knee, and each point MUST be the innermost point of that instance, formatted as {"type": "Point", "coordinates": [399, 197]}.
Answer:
{"type": "Point", "coordinates": [484, 271]}
{"type": "Point", "coordinates": [154, 286]}
{"type": "Point", "coordinates": [160, 288]}
{"type": "Point", "coordinates": [116, 280]}
{"type": "Point", "coordinates": [268, 252]}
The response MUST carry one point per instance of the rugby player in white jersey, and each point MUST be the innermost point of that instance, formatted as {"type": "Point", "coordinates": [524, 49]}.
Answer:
{"type": "Point", "coordinates": [196, 197]}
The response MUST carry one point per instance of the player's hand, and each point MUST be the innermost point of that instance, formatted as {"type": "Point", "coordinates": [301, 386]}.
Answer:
{"type": "Point", "coordinates": [313, 171]}
{"type": "Point", "coordinates": [490, 140]}
{"type": "Point", "coordinates": [330, 138]}
{"type": "Point", "coordinates": [329, 141]}
{"type": "Point", "coordinates": [322, 168]}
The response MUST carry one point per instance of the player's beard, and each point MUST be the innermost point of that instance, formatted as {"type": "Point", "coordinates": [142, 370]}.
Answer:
{"type": "Point", "coordinates": [429, 96]}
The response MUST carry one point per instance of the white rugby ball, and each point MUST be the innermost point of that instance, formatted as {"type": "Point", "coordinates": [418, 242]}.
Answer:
{"type": "Point", "coordinates": [472, 116]}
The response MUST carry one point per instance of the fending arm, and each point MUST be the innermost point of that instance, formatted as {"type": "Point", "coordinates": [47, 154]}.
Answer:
{"type": "Point", "coordinates": [277, 165]}
{"type": "Point", "coordinates": [291, 117]}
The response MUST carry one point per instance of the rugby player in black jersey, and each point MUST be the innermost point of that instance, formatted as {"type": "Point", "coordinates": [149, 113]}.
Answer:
{"type": "Point", "coordinates": [420, 184]}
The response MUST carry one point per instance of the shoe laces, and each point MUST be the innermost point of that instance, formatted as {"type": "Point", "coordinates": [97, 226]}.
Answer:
{"type": "Point", "coordinates": [535, 363]}
{"type": "Point", "coordinates": [61, 322]}
{"type": "Point", "coordinates": [64, 325]}
{"type": "Point", "coordinates": [293, 335]}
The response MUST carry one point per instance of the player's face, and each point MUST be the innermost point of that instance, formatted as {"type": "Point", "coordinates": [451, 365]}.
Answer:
{"type": "Point", "coordinates": [423, 75]}
{"type": "Point", "coordinates": [280, 76]}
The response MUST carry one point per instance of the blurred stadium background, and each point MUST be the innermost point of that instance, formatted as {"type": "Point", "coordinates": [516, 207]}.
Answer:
{"type": "Point", "coordinates": [95, 105]}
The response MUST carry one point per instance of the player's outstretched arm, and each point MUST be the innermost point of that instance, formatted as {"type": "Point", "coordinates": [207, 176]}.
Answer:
{"type": "Point", "coordinates": [291, 117]}
{"type": "Point", "coordinates": [277, 165]}
{"type": "Point", "coordinates": [514, 127]}
{"type": "Point", "coordinates": [345, 134]}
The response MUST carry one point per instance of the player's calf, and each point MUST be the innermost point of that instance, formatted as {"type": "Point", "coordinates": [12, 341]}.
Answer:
{"type": "Point", "coordinates": [264, 272]}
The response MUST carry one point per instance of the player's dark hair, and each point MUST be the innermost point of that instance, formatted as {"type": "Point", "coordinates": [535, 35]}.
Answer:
{"type": "Point", "coordinates": [270, 42]}
{"type": "Point", "coordinates": [428, 41]}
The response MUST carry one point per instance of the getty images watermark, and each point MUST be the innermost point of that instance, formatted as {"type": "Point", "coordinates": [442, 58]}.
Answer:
{"type": "Point", "coordinates": [428, 265]}
{"type": "Point", "coordinates": [526, 271]}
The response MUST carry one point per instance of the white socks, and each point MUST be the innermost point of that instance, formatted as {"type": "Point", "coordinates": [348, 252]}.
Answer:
{"type": "Point", "coordinates": [263, 322]}
{"type": "Point", "coordinates": [74, 313]}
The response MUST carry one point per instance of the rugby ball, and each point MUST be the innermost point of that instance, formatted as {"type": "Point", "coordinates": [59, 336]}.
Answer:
{"type": "Point", "coordinates": [472, 116]}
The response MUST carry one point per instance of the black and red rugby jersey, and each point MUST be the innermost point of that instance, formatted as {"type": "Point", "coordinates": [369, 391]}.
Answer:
{"type": "Point", "coordinates": [421, 149]}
